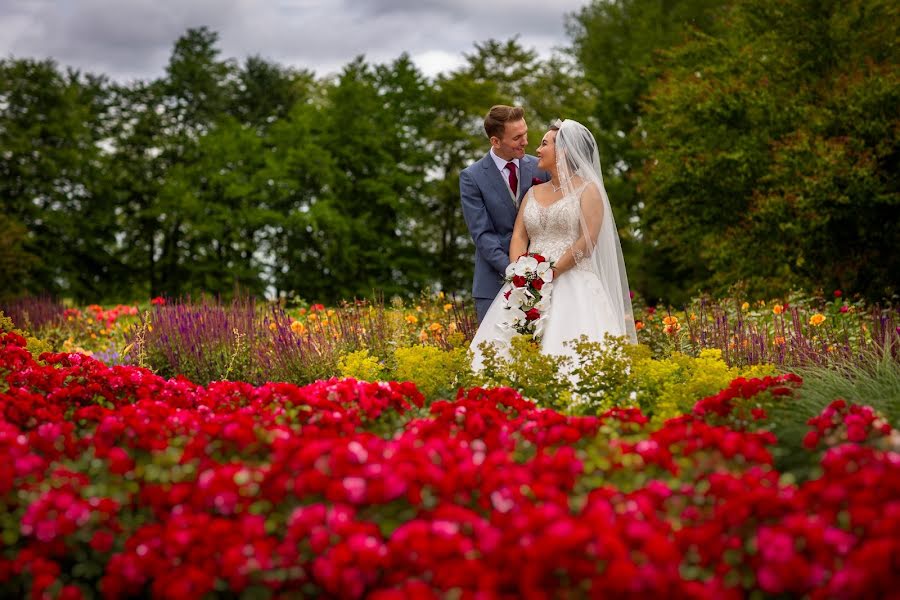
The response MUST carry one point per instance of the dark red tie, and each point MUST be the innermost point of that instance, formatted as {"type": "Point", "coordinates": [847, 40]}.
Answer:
{"type": "Point", "coordinates": [513, 180]}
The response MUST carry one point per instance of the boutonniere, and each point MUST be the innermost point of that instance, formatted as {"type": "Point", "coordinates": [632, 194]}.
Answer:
{"type": "Point", "coordinates": [537, 181]}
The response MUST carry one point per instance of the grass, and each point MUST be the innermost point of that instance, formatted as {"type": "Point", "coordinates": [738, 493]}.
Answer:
{"type": "Point", "coordinates": [873, 379]}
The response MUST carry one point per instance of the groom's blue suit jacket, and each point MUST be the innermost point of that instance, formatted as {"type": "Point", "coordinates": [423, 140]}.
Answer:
{"type": "Point", "coordinates": [490, 213]}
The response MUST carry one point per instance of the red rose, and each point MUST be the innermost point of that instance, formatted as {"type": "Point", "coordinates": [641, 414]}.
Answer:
{"type": "Point", "coordinates": [519, 281]}
{"type": "Point", "coordinates": [538, 258]}
{"type": "Point", "coordinates": [837, 293]}
{"type": "Point", "coordinates": [537, 283]}
{"type": "Point", "coordinates": [533, 314]}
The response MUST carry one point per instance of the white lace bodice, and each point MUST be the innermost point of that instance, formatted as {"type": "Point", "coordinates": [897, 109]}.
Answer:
{"type": "Point", "coordinates": [553, 229]}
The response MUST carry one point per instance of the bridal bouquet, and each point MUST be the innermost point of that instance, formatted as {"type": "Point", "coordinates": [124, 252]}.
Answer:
{"type": "Point", "coordinates": [528, 300]}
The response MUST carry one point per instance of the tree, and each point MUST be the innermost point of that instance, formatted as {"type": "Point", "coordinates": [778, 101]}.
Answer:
{"type": "Point", "coordinates": [16, 263]}
{"type": "Point", "coordinates": [772, 150]}
{"type": "Point", "coordinates": [617, 44]}
{"type": "Point", "coordinates": [51, 127]}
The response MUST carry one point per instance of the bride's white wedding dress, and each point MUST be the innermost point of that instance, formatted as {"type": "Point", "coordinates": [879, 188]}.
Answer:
{"type": "Point", "coordinates": [579, 303]}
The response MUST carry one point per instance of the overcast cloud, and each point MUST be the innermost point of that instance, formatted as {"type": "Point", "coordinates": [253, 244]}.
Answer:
{"type": "Point", "coordinates": [132, 39]}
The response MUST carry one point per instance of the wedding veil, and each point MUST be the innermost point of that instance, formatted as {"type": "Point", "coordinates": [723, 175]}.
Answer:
{"type": "Point", "coordinates": [578, 166]}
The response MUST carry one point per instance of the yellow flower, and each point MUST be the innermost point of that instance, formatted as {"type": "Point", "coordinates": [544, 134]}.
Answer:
{"type": "Point", "coordinates": [273, 326]}
{"type": "Point", "coordinates": [312, 316]}
{"type": "Point", "coordinates": [448, 307]}
{"type": "Point", "coordinates": [778, 309]}
{"type": "Point", "coordinates": [298, 327]}
{"type": "Point", "coordinates": [441, 295]}
{"type": "Point", "coordinates": [330, 312]}
{"type": "Point", "coordinates": [411, 319]}
{"type": "Point", "coordinates": [149, 327]}
{"type": "Point", "coordinates": [435, 327]}
{"type": "Point", "coordinates": [817, 319]}
{"type": "Point", "coordinates": [70, 318]}
{"type": "Point", "coordinates": [745, 306]}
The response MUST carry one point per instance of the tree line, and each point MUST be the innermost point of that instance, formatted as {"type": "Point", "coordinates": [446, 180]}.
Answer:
{"type": "Point", "coordinates": [746, 141]}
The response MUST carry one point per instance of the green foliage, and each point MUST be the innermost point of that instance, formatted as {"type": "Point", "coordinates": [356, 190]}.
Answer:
{"type": "Point", "coordinates": [438, 373]}
{"type": "Point", "coordinates": [15, 261]}
{"type": "Point", "coordinates": [677, 383]}
{"type": "Point", "coordinates": [361, 365]}
{"type": "Point", "coordinates": [770, 148]}
{"type": "Point", "coordinates": [50, 127]}
{"type": "Point", "coordinates": [617, 44]}
{"type": "Point", "coordinates": [34, 345]}
{"type": "Point", "coordinates": [537, 376]}
{"type": "Point", "coordinates": [616, 374]}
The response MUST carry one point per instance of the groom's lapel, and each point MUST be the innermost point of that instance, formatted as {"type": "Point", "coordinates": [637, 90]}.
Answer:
{"type": "Point", "coordinates": [496, 178]}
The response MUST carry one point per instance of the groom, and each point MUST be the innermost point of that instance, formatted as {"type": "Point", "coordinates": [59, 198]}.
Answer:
{"type": "Point", "coordinates": [491, 190]}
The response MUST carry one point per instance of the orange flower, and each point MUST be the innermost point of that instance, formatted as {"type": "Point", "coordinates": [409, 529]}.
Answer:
{"type": "Point", "coordinates": [638, 325]}
{"type": "Point", "coordinates": [745, 306]}
{"type": "Point", "coordinates": [817, 319]}
{"type": "Point", "coordinates": [671, 324]}
{"type": "Point", "coordinates": [779, 340]}
{"type": "Point", "coordinates": [298, 327]}
{"type": "Point", "coordinates": [778, 309]}
{"type": "Point", "coordinates": [411, 319]}
{"type": "Point", "coordinates": [435, 327]}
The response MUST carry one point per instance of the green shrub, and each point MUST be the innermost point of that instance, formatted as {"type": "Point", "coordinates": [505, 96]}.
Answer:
{"type": "Point", "coordinates": [361, 365]}
{"type": "Point", "coordinates": [34, 345]}
{"type": "Point", "coordinates": [537, 376]}
{"type": "Point", "coordinates": [437, 373]}
{"type": "Point", "coordinates": [617, 374]}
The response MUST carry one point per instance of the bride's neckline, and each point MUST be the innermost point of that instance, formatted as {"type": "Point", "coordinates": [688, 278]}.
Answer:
{"type": "Point", "coordinates": [554, 203]}
{"type": "Point", "coordinates": [572, 194]}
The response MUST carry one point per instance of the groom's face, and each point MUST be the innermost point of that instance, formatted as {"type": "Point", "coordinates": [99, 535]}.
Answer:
{"type": "Point", "coordinates": [512, 144]}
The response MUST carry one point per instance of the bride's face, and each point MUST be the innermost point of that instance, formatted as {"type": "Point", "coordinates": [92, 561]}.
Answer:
{"type": "Point", "coordinates": [547, 151]}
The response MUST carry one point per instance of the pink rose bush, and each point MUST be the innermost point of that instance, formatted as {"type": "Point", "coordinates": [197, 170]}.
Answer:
{"type": "Point", "coordinates": [117, 483]}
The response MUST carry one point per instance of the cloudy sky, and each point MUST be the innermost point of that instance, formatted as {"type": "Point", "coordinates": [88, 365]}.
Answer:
{"type": "Point", "coordinates": [132, 39]}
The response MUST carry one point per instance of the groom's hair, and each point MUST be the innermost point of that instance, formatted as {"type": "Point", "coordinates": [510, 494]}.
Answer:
{"type": "Point", "coordinates": [497, 118]}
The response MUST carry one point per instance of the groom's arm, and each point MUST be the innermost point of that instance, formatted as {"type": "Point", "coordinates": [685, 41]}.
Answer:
{"type": "Point", "coordinates": [487, 240]}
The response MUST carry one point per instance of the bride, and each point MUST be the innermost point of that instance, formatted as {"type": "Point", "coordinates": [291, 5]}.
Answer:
{"type": "Point", "coordinates": [568, 220]}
